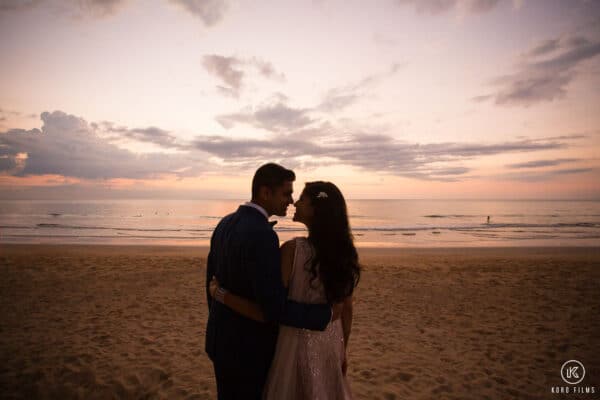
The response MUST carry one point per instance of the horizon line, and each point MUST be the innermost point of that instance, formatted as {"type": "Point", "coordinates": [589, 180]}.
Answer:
{"type": "Point", "coordinates": [347, 199]}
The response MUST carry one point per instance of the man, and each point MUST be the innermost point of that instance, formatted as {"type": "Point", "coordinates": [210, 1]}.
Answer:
{"type": "Point", "coordinates": [244, 256]}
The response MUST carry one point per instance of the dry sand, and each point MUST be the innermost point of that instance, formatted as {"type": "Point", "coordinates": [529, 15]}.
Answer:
{"type": "Point", "coordinates": [128, 322]}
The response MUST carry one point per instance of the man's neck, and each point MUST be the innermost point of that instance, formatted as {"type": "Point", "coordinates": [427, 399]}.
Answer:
{"type": "Point", "coordinates": [262, 207]}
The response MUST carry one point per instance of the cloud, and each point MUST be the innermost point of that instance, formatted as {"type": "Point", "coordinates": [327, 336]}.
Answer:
{"type": "Point", "coordinates": [566, 137]}
{"type": "Point", "coordinates": [17, 5]}
{"type": "Point", "coordinates": [544, 72]}
{"type": "Point", "coordinates": [542, 163]}
{"type": "Point", "coordinates": [572, 171]}
{"type": "Point", "coordinates": [101, 8]}
{"type": "Point", "coordinates": [372, 152]}
{"type": "Point", "coordinates": [384, 40]}
{"type": "Point", "coordinates": [436, 7]}
{"type": "Point", "coordinates": [154, 135]}
{"type": "Point", "coordinates": [67, 145]}
{"type": "Point", "coordinates": [209, 11]}
{"type": "Point", "coordinates": [337, 99]}
{"type": "Point", "coordinates": [275, 115]}
{"type": "Point", "coordinates": [227, 91]}
{"type": "Point", "coordinates": [226, 69]}
{"type": "Point", "coordinates": [8, 113]}
{"type": "Point", "coordinates": [272, 117]}
{"type": "Point", "coordinates": [253, 149]}
{"type": "Point", "coordinates": [544, 47]}
{"type": "Point", "coordinates": [341, 97]}
{"type": "Point", "coordinates": [481, 99]}
{"type": "Point", "coordinates": [451, 171]}
{"type": "Point", "coordinates": [265, 69]}
{"type": "Point", "coordinates": [232, 70]}
{"type": "Point", "coordinates": [385, 154]}
{"type": "Point", "coordinates": [481, 6]}
{"type": "Point", "coordinates": [473, 150]}
{"type": "Point", "coordinates": [540, 176]}
{"type": "Point", "coordinates": [73, 8]}
{"type": "Point", "coordinates": [432, 7]}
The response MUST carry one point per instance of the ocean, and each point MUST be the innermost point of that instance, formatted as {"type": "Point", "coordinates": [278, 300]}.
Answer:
{"type": "Point", "coordinates": [375, 223]}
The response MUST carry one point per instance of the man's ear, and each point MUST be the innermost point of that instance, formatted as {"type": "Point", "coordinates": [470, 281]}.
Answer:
{"type": "Point", "coordinates": [264, 192]}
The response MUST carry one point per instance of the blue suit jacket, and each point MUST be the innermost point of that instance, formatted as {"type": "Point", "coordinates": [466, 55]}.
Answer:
{"type": "Point", "coordinates": [245, 257]}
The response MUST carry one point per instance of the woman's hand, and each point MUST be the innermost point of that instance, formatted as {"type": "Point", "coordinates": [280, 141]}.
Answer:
{"type": "Point", "coordinates": [336, 311]}
{"type": "Point", "coordinates": [213, 286]}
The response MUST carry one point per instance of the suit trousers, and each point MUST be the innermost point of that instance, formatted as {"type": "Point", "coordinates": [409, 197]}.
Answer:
{"type": "Point", "coordinates": [237, 382]}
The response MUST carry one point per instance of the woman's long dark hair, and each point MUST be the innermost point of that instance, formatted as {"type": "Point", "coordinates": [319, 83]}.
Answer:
{"type": "Point", "coordinates": [329, 233]}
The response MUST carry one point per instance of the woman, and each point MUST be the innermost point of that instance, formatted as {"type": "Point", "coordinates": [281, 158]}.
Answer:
{"type": "Point", "coordinates": [322, 268]}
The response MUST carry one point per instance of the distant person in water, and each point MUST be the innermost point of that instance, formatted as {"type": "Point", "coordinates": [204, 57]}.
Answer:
{"type": "Point", "coordinates": [320, 268]}
{"type": "Point", "coordinates": [245, 258]}
{"type": "Point", "coordinates": [488, 219]}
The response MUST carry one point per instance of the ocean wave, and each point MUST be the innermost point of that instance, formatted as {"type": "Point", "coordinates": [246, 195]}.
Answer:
{"type": "Point", "coordinates": [483, 216]}
{"type": "Point", "coordinates": [103, 237]}
{"type": "Point", "coordinates": [567, 227]}
{"type": "Point", "coordinates": [479, 227]}
{"type": "Point", "coordinates": [78, 227]}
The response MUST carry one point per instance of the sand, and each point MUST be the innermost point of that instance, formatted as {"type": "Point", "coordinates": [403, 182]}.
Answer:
{"type": "Point", "coordinates": [128, 322]}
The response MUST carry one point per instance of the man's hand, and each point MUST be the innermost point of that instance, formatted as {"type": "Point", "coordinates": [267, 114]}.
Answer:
{"type": "Point", "coordinates": [336, 311]}
{"type": "Point", "coordinates": [213, 286]}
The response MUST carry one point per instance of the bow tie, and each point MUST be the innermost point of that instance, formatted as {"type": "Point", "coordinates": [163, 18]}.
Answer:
{"type": "Point", "coordinates": [272, 223]}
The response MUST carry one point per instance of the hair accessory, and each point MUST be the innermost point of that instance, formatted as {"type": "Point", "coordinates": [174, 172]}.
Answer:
{"type": "Point", "coordinates": [322, 195]}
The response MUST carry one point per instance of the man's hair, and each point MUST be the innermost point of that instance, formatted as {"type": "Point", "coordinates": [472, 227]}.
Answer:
{"type": "Point", "coordinates": [270, 175]}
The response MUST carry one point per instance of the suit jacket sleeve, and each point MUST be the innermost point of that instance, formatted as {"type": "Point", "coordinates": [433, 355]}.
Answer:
{"type": "Point", "coordinates": [210, 271]}
{"type": "Point", "coordinates": [264, 262]}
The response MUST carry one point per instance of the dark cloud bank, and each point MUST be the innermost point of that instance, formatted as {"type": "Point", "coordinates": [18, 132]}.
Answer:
{"type": "Point", "coordinates": [68, 145]}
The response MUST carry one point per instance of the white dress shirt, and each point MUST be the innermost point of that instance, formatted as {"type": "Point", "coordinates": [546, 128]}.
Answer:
{"type": "Point", "coordinates": [256, 206]}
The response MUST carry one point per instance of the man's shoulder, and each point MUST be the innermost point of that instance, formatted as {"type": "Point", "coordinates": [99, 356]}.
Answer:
{"type": "Point", "coordinates": [253, 217]}
{"type": "Point", "coordinates": [246, 219]}
{"type": "Point", "coordinates": [226, 220]}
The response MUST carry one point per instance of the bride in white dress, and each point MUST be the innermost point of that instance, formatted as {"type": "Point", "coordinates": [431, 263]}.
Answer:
{"type": "Point", "coordinates": [320, 268]}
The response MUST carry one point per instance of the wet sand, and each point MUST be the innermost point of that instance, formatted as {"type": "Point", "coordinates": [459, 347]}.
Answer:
{"type": "Point", "coordinates": [128, 322]}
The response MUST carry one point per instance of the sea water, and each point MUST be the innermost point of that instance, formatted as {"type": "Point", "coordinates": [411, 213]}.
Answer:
{"type": "Point", "coordinates": [377, 223]}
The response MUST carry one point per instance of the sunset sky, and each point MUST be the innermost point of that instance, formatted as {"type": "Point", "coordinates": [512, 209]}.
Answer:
{"type": "Point", "coordinates": [387, 99]}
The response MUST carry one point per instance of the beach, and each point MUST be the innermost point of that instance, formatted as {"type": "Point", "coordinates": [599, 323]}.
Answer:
{"type": "Point", "coordinates": [97, 322]}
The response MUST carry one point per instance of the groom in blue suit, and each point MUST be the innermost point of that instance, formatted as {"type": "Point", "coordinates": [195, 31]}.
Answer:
{"type": "Point", "coordinates": [244, 256]}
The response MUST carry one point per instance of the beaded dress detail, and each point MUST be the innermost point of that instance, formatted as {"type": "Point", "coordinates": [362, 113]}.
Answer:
{"type": "Point", "coordinates": [307, 364]}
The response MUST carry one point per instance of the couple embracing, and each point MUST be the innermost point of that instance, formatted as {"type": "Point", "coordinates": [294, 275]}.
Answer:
{"type": "Point", "coordinates": [280, 319]}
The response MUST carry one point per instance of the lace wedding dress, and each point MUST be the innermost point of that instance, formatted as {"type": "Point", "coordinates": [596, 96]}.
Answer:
{"type": "Point", "coordinates": [307, 364]}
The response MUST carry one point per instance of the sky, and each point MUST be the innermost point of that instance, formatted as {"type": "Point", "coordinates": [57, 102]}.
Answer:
{"type": "Point", "coordinates": [406, 99]}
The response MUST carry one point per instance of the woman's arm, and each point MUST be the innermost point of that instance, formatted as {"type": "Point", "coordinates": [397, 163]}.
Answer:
{"type": "Point", "coordinates": [347, 319]}
{"type": "Point", "coordinates": [237, 303]}
{"type": "Point", "coordinates": [346, 327]}
{"type": "Point", "coordinates": [288, 253]}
